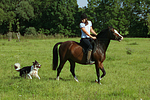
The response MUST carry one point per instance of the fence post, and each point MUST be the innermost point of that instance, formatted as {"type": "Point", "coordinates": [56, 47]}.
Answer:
{"type": "Point", "coordinates": [9, 36]}
{"type": "Point", "coordinates": [18, 36]}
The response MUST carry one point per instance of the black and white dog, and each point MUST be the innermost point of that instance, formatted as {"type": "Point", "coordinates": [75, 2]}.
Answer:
{"type": "Point", "coordinates": [28, 70]}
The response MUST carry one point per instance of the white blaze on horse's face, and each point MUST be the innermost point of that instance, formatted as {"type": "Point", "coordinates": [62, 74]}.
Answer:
{"type": "Point", "coordinates": [117, 34]}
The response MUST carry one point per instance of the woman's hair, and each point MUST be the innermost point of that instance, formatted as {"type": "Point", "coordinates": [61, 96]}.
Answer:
{"type": "Point", "coordinates": [84, 16]}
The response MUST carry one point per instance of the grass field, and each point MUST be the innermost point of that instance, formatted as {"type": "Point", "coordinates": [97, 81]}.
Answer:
{"type": "Point", "coordinates": [127, 68]}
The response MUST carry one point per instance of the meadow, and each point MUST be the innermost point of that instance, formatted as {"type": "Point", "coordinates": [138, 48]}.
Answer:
{"type": "Point", "coordinates": [127, 72]}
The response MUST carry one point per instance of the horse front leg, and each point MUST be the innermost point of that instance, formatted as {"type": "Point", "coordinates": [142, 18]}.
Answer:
{"type": "Point", "coordinates": [72, 67]}
{"type": "Point", "coordinates": [98, 75]}
{"type": "Point", "coordinates": [60, 68]}
{"type": "Point", "coordinates": [100, 66]}
{"type": "Point", "coordinates": [104, 72]}
{"type": "Point", "coordinates": [97, 72]}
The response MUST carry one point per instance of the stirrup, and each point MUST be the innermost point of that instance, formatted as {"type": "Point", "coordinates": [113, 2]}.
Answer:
{"type": "Point", "coordinates": [90, 62]}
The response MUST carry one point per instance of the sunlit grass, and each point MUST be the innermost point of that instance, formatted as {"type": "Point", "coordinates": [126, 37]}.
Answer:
{"type": "Point", "coordinates": [127, 75]}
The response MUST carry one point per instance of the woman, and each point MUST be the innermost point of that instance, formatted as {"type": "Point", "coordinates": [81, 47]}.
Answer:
{"type": "Point", "coordinates": [86, 29]}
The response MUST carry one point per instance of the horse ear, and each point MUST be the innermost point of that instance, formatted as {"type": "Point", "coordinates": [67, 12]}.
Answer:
{"type": "Point", "coordinates": [110, 27]}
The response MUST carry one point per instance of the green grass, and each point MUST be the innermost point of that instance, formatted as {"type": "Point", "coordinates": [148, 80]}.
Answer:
{"type": "Point", "coordinates": [127, 74]}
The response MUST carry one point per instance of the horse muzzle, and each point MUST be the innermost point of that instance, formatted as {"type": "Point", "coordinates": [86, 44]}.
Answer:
{"type": "Point", "coordinates": [120, 39]}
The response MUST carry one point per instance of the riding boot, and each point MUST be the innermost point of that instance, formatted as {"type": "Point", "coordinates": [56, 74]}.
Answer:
{"type": "Point", "coordinates": [89, 58]}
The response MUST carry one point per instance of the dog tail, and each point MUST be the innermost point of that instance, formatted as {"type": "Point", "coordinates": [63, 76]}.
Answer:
{"type": "Point", "coordinates": [17, 66]}
{"type": "Point", "coordinates": [55, 55]}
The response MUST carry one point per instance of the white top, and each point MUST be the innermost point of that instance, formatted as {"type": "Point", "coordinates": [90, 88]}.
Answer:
{"type": "Point", "coordinates": [87, 28]}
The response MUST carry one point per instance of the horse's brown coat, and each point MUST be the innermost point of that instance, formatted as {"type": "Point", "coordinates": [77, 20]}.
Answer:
{"type": "Point", "coordinates": [72, 51]}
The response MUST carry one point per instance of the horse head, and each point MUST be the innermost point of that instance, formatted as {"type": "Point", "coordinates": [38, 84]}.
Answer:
{"type": "Point", "coordinates": [114, 34]}
{"type": "Point", "coordinates": [109, 34]}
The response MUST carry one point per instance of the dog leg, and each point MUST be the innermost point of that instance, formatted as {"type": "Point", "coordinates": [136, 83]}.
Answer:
{"type": "Point", "coordinates": [29, 76]}
{"type": "Point", "coordinates": [37, 76]}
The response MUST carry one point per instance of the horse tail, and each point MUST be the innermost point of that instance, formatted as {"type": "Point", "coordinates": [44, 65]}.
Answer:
{"type": "Point", "coordinates": [55, 55]}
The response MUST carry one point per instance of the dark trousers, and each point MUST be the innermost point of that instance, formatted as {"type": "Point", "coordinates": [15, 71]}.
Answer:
{"type": "Point", "coordinates": [86, 42]}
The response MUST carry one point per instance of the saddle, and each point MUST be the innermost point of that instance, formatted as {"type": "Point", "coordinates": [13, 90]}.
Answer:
{"type": "Point", "coordinates": [85, 49]}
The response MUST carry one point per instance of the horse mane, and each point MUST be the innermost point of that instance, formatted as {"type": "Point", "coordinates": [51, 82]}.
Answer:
{"type": "Point", "coordinates": [103, 32]}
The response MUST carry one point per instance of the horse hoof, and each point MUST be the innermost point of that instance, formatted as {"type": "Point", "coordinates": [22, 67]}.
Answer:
{"type": "Point", "coordinates": [57, 78]}
{"type": "Point", "coordinates": [76, 79]}
{"type": "Point", "coordinates": [100, 78]}
{"type": "Point", "coordinates": [97, 82]}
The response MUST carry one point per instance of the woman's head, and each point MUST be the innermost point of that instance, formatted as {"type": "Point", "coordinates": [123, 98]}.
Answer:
{"type": "Point", "coordinates": [84, 18]}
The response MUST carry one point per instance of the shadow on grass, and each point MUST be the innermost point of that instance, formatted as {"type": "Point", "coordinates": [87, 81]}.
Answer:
{"type": "Point", "coordinates": [60, 79]}
{"type": "Point", "coordinates": [93, 81]}
{"type": "Point", "coordinates": [134, 43]}
{"type": "Point", "coordinates": [15, 77]}
{"type": "Point", "coordinates": [18, 77]}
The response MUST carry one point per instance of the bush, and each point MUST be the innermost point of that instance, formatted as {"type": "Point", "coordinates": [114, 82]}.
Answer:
{"type": "Point", "coordinates": [58, 36]}
{"type": "Point", "coordinates": [1, 36]}
{"type": "Point", "coordinates": [30, 30]}
{"type": "Point", "coordinates": [129, 51]}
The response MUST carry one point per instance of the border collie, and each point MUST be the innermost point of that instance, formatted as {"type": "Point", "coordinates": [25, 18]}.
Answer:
{"type": "Point", "coordinates": [28, 70]}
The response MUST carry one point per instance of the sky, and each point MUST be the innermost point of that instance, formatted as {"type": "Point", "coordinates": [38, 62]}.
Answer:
{"type": "Point", "coordinates": [82, 3]}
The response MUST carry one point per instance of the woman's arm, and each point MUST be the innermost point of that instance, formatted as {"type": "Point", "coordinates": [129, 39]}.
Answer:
{"type": "Point", "coordinates": [92, 31]}
{"type": "Point", "coordinates": [84, 30]}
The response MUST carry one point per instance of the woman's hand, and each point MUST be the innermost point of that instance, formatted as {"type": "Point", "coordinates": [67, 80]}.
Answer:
{"type": "Point", "coordinates": [93, 37]}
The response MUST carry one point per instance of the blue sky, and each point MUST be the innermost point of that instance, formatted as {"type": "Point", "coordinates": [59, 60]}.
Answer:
{"type": "Point", "coordinates": [82, 3]}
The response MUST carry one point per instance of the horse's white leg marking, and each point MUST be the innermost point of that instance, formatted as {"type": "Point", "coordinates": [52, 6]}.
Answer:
{"type": "Point", "coordinates": [97, 82]}
{"type": "Point", "coordinates": [100, 78]}
{"type": "Point", "coordinates": [57, 78]}
{"type": "Point", "coordinates": [76, 79]}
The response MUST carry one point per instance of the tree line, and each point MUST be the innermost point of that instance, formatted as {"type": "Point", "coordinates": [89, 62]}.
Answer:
{"type": "Point", "coordinates": [50, 17]}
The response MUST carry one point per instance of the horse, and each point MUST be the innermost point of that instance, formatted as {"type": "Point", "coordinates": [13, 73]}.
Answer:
{"type": "Point", "coordinates": [74, 53]}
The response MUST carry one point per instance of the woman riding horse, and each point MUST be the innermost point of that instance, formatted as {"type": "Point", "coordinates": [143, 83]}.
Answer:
{"type": "Point", "coordinates": [86, 28]}
{"type": "Point", "coordinates": [73, 52]}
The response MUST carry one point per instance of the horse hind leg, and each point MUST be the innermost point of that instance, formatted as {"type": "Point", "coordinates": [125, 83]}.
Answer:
{"type": "Point", "coordinates": [72, 67]}
{"type": "Point", "coordinates": [104, 72]}
{"type": "Point", "coordinates": [98, 75]}
{"type": "Point", "coordinates": [60, 68]}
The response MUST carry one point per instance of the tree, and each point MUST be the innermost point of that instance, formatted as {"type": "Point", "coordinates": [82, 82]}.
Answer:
{"type": "Point", "coordinates": [24, 12]}
{"type": "Point", "coordinates": [10, 19]}
{"type": "Point", "coordinates": [67, 10]}
{"type": "Point", "coordinates": [2, 16]}
{"type": "Point", "coordinates": [7, 14]}
{"type": "Point", "coordinates": [137, 18]}
{"type": "Point", "coordinates": [148, 23]}
{"type": "Point", "coordinates": [57, 16]}
{"type": "Point", "coordinates": [93, 13]}
{"type": "Point", "coordinates": [63, 16]}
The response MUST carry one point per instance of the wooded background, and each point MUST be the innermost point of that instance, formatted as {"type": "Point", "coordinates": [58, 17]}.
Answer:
{"type": "Point", "coordinates": [49, 17]}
